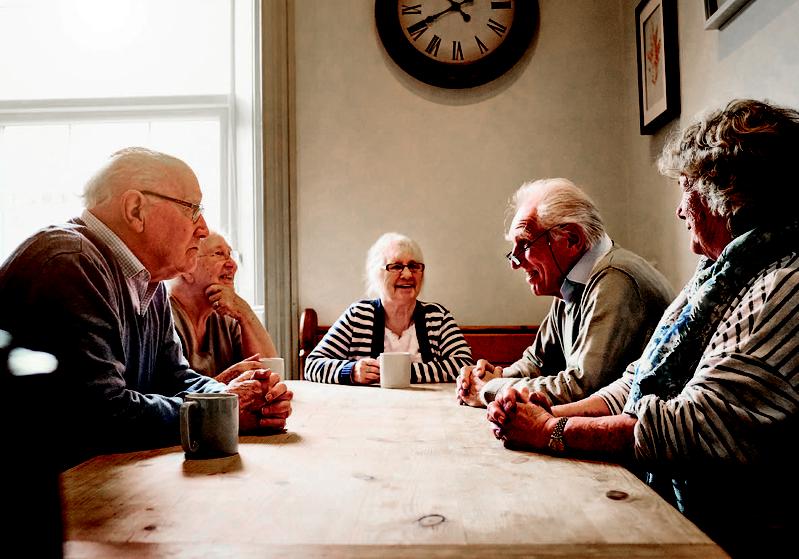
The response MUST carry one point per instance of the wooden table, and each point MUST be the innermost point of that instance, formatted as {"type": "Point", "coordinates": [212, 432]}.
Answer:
{"type": "Point", "coordinates": [369, 472]}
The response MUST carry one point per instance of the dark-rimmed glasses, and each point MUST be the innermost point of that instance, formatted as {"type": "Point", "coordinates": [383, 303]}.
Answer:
{"type": "Point", "coordinates": [525, 246]}
{"type": "Point", "coordinates": [220, 254]}
{"type": "Point", "coordinates": [196, 209]}
{"type": "Point", "coordinates": [397, 267]}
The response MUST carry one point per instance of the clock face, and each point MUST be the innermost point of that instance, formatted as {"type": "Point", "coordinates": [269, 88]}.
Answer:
{"type": "Point", "coordinates": [456, 32]}
{"type": "Point", "coordinates": [456, 43]}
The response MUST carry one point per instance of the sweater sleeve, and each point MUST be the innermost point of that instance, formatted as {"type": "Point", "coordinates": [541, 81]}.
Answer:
{"type": "Point", "coordinates": [448, 346]}
{"type": "Point", "coordinates": [546, 347]}
{"type": "Point", "coordinates": [610, 336]}
{"type": "Point", "coordinates": [333, 358]}
{"type": "Point", "coordinates": [614, 323]}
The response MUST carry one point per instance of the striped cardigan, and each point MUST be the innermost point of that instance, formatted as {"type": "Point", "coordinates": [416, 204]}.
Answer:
{"type": "Point", "coordinates": [727, 440]}
{"type": "Point", "coordinates": [359, 333]}
{"type": "Point", "coordinates": [746, 382]}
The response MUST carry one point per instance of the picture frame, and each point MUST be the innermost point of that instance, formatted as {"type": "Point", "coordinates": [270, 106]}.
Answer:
{"type": "Point", "coordinates": [658, 63]}
{"type": "Point", "coordinates": [719, 12]}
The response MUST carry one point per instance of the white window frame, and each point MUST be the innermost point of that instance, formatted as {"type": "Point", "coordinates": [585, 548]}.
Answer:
{"type": "Point", "coordinates": [142, 109]}
{"type": "Point", "coordinates": [134, 109]}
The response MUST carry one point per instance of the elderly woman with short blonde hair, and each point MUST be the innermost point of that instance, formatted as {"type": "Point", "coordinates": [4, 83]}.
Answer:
{"type": "Point", "coordinates": [395, 320]}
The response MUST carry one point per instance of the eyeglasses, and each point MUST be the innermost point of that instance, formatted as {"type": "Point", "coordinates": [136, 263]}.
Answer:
{"type": "Point", "coordinates": [525, 246]}
{"type": "Point", "coordinates": [223, 255]}
{"type": "Point", "coordinates": [197, 209]}
{"type": "Point", "coordinates": [397, 267]}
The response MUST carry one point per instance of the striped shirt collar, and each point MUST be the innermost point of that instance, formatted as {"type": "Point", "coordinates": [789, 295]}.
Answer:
{"type": "Point", "coordinates": [136, 275]}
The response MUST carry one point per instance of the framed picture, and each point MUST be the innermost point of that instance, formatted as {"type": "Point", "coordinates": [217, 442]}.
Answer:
{"type": "Point", "coordinates": [719, 12]}
{"type": "Point", "coordinates": [658, 64]}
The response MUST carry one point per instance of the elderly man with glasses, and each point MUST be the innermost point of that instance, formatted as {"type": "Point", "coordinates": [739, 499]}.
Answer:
{"type": "Point", "coordinates": [91, 293]}
{"type": "Point", "coordinates": [607, 300]}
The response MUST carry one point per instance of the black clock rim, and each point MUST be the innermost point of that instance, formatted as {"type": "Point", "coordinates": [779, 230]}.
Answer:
{"type": "Point", "coordinates": [456, 76]}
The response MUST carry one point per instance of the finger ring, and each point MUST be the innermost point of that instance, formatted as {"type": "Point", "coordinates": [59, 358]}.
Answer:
{"type": "Point", "coordinates": [216, 304]}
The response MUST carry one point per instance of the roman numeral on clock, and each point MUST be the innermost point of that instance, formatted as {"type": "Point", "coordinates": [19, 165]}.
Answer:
{"type": "Point", "coordinates": [496, 27]}
{"type": "Point", "coordinates": [417, 29]}
{"type": "Point", "coordinates": [432, 47]}
{"type": "Point", "coordinates": [457, 50]}
{"type": "Point", "coordinates": [416, 9]}
{"type": "Point", "coordinates": [481, 45]}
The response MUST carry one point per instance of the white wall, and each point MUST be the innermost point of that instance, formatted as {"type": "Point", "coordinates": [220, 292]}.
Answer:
{"type": "Point", "coordinates": [378, 151]}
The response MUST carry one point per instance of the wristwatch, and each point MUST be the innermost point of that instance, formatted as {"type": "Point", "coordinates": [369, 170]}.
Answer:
{"type": "Point", "coordinates": [556, 442]}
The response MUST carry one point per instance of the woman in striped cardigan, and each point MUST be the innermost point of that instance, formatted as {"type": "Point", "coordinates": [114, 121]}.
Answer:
{"type": "Point", "coordinates": [394, 321]}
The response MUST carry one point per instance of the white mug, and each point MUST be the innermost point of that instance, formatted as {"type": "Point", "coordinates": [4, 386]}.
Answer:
{"type": "Point", "coordinates": [395, 369]}
{"type": "Point", "coordinates": [275, 364]}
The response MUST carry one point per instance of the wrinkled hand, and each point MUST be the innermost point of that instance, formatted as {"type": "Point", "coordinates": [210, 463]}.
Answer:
{"type": "Point", "coordinates": [471, 380]}
{"type": "Point", "coordinates": [521, 419]}
{"type": "Point", "coordinates": [237, 369]}
{"type": "Point", "coordinates": [264, 401]}
{"type": "Point", "coordinates": [225, 301]}
{"type": "Point", "coordinates": [366, 371]}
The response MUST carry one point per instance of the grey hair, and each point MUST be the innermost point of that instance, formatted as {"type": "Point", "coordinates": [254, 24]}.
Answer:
{"type": "Point", "coordinates": [130, 168]}
{"type": "Point", "coordinates": [562, 202]}
{"type": "Point", "coordinates": [738, 159]}
{"type": "Point", "coordinates": [376, 259]}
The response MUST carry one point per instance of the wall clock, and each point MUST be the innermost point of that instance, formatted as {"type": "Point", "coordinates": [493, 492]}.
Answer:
{"type": "Point", "coordinates": [456, 43]}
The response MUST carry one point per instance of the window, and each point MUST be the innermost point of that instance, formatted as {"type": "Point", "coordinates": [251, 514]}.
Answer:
{"type": "Point", "coordinates": [93, 76]}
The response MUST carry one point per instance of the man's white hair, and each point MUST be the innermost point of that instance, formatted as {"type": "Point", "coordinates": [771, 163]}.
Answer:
{"type": "Point", "coordinates": [130, 168]}
{"type": "Point", "coordinates": [562, 202]}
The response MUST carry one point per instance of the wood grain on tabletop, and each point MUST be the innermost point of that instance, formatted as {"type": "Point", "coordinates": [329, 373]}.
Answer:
{"type": "Point", "coordinates": [375, 467]}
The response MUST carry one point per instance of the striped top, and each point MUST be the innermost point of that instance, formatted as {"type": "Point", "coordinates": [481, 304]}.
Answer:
{"type": "Point", "coordinates": [745, 390]}
{"type": "Point", "coordinates": [359, 332]}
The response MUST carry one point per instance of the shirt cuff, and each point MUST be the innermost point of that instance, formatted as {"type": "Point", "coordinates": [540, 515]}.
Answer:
{"type": "Point", "coordinates": [345, 374]}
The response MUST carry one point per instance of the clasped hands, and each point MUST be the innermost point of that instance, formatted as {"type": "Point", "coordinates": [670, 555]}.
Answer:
{"type": "Point", "coordinates": [471, 380]}
{"type": "Point", "coordinates": [521, 418]}
{"type": "Point", "coordinates": [264, 401]}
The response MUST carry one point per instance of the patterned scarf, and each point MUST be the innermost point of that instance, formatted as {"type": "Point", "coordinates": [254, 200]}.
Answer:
{"type": "Point", "coordinates": [673, 352]}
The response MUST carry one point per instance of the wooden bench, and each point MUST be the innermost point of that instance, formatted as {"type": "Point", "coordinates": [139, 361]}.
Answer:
{"type": "Point", "coordinates": [500, 345]}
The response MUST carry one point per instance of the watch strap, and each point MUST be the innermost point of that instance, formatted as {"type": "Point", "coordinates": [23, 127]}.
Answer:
{"type": "Point", "coordinates": [556, 441]}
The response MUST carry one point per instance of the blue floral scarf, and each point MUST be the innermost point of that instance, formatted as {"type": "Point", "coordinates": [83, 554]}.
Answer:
{"type": "Point", "coordinates": [680, 339]}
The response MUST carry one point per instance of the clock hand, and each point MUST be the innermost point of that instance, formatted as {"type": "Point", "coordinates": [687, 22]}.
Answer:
{"type": "Point", "coordinates": [458, 7]}
{"type": "Point", "coordinates": [423, 23]}
{"type": "Point", "coordinates": [430, 19]}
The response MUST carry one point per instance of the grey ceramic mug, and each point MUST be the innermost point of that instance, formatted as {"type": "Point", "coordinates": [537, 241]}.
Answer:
{"type": "Point", "coordinates": [209, 425]}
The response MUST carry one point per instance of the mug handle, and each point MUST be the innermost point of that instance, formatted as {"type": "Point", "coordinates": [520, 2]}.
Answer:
{"type": "Point", "coordinates": [185, 436]}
